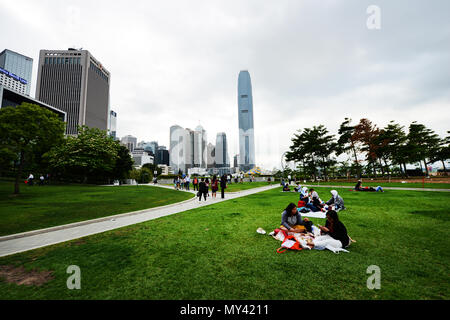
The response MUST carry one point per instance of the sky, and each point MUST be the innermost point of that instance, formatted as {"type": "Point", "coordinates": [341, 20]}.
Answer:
{"type": "Point", "coordinates": [310, 62]}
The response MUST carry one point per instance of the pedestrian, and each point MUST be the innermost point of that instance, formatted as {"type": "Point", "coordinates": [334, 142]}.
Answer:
{"type": "Point", "coordinates": [207, 186]}
{"type": "Point", "coordinates": [214, 186]}
{"type": "Point", "coordinates": [41, 180]}
{"type": "Point", "coordinates": [203, 190]}
{"type": "Point", "coordinates": [188, 182]}
{"type": "Point", "coordinates": [223, 185]}
{"type": "Point", "coordinates": [30, 179]}
{"type": "Point", "coordinates": [195, 183]}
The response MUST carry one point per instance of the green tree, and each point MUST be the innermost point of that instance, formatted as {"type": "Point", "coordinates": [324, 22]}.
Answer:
{"type": "Point", "coordinates": [153, 167]}
{"type": "Point", "coordinates": [365, 135]}
{"type": "Point", "coordinates": [124, 163]}
{"type": "Point", "coordinates": [346, 142]}
{"type": "Point", "coordinates": [442, 153]}
{"type": "Point", "coordinates": [312, 148]}
{"type": "Point", "coordinates": [423, 144]}
{"type": "Point", "coordinates": [90, 155]}
{"type": "Point", "coordinates": [26, 130]}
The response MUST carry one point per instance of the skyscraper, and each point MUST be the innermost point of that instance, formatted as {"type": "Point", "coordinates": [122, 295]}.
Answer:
{"type": "Point", "coordinates": [130, 142]}
{"type": "Point", "coordinates": [200, 151]}
{"type": "Point", "coordinates": [74, 81]}
{"type": "Point", "coordinates": [246, 131]}
{"type": "Point", "coordinates": [222, 159]}
{"type": "Point", "coordinates": [112, 124]}
{"type": "Point", "coordinates": [15, 71]}
{"type": "Point", "coordinates": [176, 148]}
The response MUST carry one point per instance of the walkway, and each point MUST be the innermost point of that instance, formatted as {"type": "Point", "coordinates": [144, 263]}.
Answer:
{"type": "Point", "coordinates": [25, 241]}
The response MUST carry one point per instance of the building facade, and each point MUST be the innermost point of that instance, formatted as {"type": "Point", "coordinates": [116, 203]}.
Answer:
{"type": "Point", "coordinates": [221, 156]}
{"type": "Point", "coordinates": [246, 128]}
{"type": "Point", "coordinates": [130, 142]}
{"type": "Point", "coordinates": [112, 124]}
{"type": "Point", "coordinates": [12, 98]}
{"type": "Point", "coordinates": [162, 156]}
{"type": "Point", "coordinates": [17, 68]}
{"type": "Point", "coordinates": [74, 81]}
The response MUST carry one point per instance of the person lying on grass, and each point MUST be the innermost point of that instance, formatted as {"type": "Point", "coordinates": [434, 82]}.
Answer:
{"type": "Point", "coordinates": [291, 220]}
{"type": "Point", "coordinates": [336, 200]}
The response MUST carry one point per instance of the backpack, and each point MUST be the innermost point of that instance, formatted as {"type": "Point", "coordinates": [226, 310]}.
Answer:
{"type": "Point", "coordinates": [289, 242]}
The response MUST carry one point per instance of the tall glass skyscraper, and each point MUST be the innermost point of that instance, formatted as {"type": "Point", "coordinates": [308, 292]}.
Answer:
{"type": "Point", "coordinates": [246, 131]}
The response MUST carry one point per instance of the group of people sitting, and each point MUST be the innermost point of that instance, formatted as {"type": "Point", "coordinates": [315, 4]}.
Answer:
{"type": "Point", "coordinates": [310, 201]}
{"type": "Point", "coordinates": [332, 236]}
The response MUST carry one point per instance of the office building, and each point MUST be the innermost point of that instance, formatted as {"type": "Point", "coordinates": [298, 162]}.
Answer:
{"type": "Point", "coordinates": [130, 142]}
{"type": "Point", "coordinates": [112, 124]}
{"type": "Point", "coordinates": [211, 155]}
{"type": "Point", "coordinates": [74, 81]}
{"type": "Point", "coordinates": [162, 156]}
{"type": "Point", "coordinates": [246, 129]}
{"type": "Point", "coordinates": [200, 152]}
{"type": "Point", "coordinates": [15, 71]}
{"type": "Point", "coordinates": [176, 148]}
{"type": "Point", "coordinates": [140, 157]}
{"type": "Point", "coordinates": [221, 156]}
{"type": "Point", "coordinates": [11, 98]}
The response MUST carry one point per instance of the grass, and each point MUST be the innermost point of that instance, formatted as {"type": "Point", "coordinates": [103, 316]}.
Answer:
{"type": "Point", "coordinates": [214, 252]}
{"type": "Point", "coordinates": [46, 206]}
{"type": "Point", "coordinates": [383, 184]}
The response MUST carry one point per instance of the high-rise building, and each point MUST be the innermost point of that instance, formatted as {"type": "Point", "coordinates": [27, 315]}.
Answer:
{"type": "Point", "coordinates": [130, 142]}
{"type": "Point", "coordinates": [221, 158]}
{"type": "Point", "coordinates": [235, 161]}
{"type": "Point", "coordinates": [176, 148]}
{"type": "Point", "coordinates": [210, 155]}
{"type": "Point", "coordinates": [246, 129]}
{"type": "Point", "coordinates": [112, 124]}
{"type": "Point", "coordinates": [153, 147]}
{"type": "Point", "coordinates": [15, 71]}
{"type": "Point", "coordinates": [200, 152]}
{"type": "Point", "coordinates": [162, 156]}
{"type": "Point", "coordinates": [74, 81]}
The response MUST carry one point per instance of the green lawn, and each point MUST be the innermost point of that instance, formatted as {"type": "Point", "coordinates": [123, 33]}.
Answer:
{"type": "Point", "coordinates": [213, 252]}
{"type": "Point", "coordinates": [46, 206]}
{"type": "Point", "coordinates": [383, 184]}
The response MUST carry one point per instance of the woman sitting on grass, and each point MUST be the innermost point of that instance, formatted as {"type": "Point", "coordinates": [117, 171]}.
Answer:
{"type": "Point", "coordinates": [291, 220]}
{"type": "Point", "coordinates": [315, 204]}
{"type": "Point", "coordinates": [336, 200]}
{"type": "Point", "coordinates": [334, 234]}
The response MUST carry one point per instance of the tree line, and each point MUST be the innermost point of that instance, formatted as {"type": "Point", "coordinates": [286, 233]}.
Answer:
{"type": "Point", "coordinates": [371, 150]}
{"type": "Point", "coordinates": [32, 140]}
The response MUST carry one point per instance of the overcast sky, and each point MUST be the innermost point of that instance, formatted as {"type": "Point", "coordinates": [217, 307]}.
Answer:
{"type": "Point", "coordinates": [311, 62]}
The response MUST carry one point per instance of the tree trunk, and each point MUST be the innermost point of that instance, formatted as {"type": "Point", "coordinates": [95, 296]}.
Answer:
{"type": "Point", "coordinates": [406, 172]}
{"type": "Point", "coordinates": [443, 165]}
{"type": "Point", "coordinates": [426, 168]}
{"type": "Point", "coordinates": [19, 174]}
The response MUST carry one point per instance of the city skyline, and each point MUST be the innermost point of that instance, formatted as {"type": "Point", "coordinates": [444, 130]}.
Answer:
{"type": "Point", "coordinates": [304, 75]}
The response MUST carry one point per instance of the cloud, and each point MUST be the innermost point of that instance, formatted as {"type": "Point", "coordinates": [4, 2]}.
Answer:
{"type": "Point", "coordinates": [177, 62]}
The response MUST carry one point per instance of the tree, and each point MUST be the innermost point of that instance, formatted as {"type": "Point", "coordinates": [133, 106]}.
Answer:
{"type": "Point", "coordinates": [312, 148]}
{"type": "Point", "coordinates": [153, 167]}
{"type": "Point", "coordinates": [90, 155]}
{"type": "Point", "coordinates": [346, 142]}
{"type": "Point", "coordinates": [365, 135]}
{"type": "Point", "coordinates": [26, 130]}
{"type": "Point", "coordinates": [392, 141]}
{"type": "Point", "coordinates": [124, 163]}
{"type": "Point", "coordinates": [442, 153]}
{"type": "Point", "coordinates": [423, 144]}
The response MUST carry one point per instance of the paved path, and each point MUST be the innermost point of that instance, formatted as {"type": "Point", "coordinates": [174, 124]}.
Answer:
{"type": "Point", "coordinates": [25, 241]}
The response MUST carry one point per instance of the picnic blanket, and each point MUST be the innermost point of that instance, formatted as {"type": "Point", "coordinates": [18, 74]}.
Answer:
{"type": "Point", "coordinates": [311, 214]}
{"type": "Point", "coordinates": [306, 239]}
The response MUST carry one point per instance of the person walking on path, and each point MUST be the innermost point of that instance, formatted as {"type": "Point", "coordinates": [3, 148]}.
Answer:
{"type": "Point", "coordinates": [223, 185]}
{"type": "Point", "coordinates": [203, 190]}
{"type": "Point", "coordinates": [41, 180]}
{"type": "Point", "coordinates": [195, 184]}
{"type": "Point", "coordinates": [188, 182]}
{"type": "Point", "coordinates": [214, 186]}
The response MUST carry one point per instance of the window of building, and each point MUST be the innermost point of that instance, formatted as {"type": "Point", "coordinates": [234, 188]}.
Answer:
{"type": "Point", "coordinates": [46, 61]}
{"type": "Point", "coordinates": [244, 96]}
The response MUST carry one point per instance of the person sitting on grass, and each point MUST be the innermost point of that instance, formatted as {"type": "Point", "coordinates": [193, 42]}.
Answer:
{"type": "Point", "coordinates": [334, 233]}
{"type": "Point", "coordinates": [286, 187]}
{"type": "Point", "coordinates": [336, 200]}
{"type": "Point", "coordinates": [315, 203]}
{"type": "Point", "coordinates": [291, 220]}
